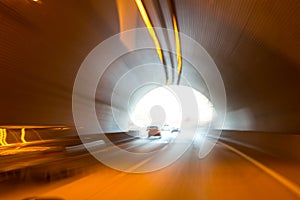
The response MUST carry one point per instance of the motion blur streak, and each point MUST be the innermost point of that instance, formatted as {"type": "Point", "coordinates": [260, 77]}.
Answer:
{"type": "Point", "coordinates": [148, 24]}
{"type": "Point", "coordinates": [3, 137]}
{"type": "Point", "coordinates": [290, 185]}
{"type": "Point", "coordinates": [225, 174]}
{"type": "Point", "coordinates": [255, 45]}
{"type": "Point", "coordinates": [23, 133]}
{"type": "Point", "coordinates": [179, 59]}
{"type": "Point", "coordinates": [222, 175]}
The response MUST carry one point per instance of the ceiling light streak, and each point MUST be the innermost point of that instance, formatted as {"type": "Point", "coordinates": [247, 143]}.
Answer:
{"type": "Point", "coordinates": [159, 12]}
{"type": "Point", "coordinates": [1, 137]}
{"type": "Point", "coordinates": [23, 135]}
{"type": "Point", "coordinates": [171, 5]}
{"type": "Point", "coordinates": [177, 40]}
{"type": "Point", "coordinates": [148, 24]}
{"type": "Point", "coordinates": [4, 137]}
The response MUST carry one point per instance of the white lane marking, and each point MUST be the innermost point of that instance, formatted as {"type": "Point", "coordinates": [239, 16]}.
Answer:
{"type": "Point", "coordinates": [287, 183]}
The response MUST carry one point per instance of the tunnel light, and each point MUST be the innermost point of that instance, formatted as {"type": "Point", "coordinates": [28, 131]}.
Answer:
{"type": "Point", "coordinates": [3, 135]}
{"type": "Point", "coordinates": [37, 1]}
{"type": "Point", "coordinates": [166, 99]}
{"type": "Point", "coordinates": [177, 42]}
{"type": "Point", "coordinates": [158, 97]}
{"type": "Point", "coordinates": [149, 26]}
{"type": "Point", "coordinates": [23, 135]}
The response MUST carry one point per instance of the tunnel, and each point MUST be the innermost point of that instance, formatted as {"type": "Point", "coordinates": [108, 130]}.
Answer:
{"type": "Point", "coordinates": [81, 68]}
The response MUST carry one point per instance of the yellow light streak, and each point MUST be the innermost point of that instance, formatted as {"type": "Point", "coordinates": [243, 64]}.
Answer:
{"type": "Point", "coordinates": [4, 137]}
{"type": "Point", "coordinates": [23, 135]}
{"type": "Point", "coordinates": [1, 137]}
{"type": "Point", "coordinates": [177, 40]}
{"type": "Point", "coordinates": [148, 24]}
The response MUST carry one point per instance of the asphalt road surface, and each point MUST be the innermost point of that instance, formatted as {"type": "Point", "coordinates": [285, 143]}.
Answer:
{"type": "Point", "coordinates": [226, 173]}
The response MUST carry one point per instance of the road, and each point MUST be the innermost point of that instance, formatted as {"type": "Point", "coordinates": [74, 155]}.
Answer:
{"type": "Point", "coordinates": [226, 173]}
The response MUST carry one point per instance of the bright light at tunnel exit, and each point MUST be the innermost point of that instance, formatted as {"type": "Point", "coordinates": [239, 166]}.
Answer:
{"type": "Point", "coordinates": [166, 99]}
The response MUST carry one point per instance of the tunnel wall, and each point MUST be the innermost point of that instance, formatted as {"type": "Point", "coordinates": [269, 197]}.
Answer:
{"type": "Point", "coordinates": [120, 137]}
{"type": "Point", "coordinates": [277, 144]}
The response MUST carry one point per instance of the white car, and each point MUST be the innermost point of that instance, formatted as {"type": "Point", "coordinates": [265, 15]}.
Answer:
{"type": "Point", "coordinates": [166, 127]}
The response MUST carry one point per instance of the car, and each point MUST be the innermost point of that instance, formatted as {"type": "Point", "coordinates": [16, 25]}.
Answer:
{"type": "Point", "coordinates": [175, 130]}
{"type": "Point", "coordinates": [166, 127]}
{"type": "Point", "coordinates": [153, 131]}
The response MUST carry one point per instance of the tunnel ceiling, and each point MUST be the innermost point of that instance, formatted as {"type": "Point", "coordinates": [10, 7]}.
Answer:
{"type": "Point", "coordinates": [255, 45]}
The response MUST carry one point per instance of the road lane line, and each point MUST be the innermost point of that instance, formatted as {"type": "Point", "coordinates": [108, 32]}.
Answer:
{"type": "Point", "coordinates": [284, 181]}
